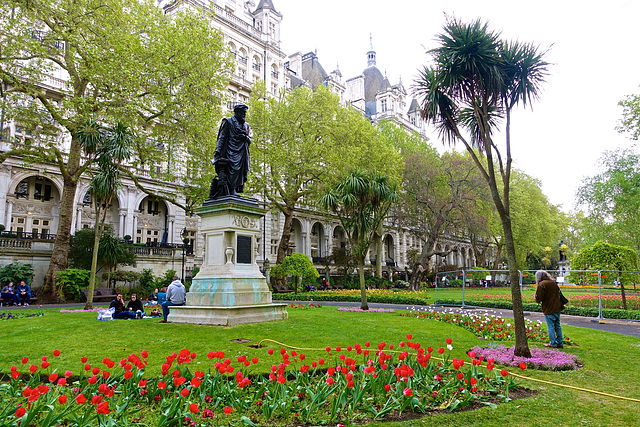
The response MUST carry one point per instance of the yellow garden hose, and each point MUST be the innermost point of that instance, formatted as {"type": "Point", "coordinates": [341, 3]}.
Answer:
{"type": "Point", "coordinates": [510, 373]}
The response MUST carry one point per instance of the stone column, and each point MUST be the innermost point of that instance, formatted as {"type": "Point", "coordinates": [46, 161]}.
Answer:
{"type": "Point", "coordinates": [7, 222]}
{"type": "Point", "coordinates": [79, 219]}
{"type": "Point", "coordinates": [123, 216]}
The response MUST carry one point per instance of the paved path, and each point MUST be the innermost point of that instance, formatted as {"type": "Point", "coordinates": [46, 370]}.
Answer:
{"type": "Point", "coordinates": [625, 327]}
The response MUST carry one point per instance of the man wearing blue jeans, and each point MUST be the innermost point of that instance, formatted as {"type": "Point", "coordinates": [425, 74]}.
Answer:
{"type": "Point", "coordinates": [176, 295]}
{"type": "Point", "coordinates": [548, 293]}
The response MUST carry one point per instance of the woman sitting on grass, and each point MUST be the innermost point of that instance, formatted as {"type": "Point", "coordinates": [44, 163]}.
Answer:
{"type": "Point", "coordinates": [120, 310]}
{"type": "Point", "coordinates": [135, 306]}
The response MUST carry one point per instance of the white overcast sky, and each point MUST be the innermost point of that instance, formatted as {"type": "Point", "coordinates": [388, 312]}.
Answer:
{"type": "Point", "coordinates": [594, 52]}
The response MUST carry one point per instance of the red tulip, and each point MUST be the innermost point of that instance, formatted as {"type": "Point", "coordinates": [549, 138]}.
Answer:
{"type": "Point", "coordinates": [194, 408]}
{"type": "Point", "coordinates": [83, 359]}
{"type": "Point", "coordinates": [62, 381]}
{"type": "Point", "coordinates": [103, 408]}
{"type": "Point", "coordinates": [67, 374]}
{"type": "Point", "coordinates": [25, 360]}
{"type": "Point", "coordinates": [449, 341]}
{"type": "Point", "coordinates": [20, 412]}
{"type": "Point", "coordinates": [228, 409]}
{"type": "Point", "coordinates": [504, 373]}
{"type": "Point", "coordinates": [128, 375]}
{"type": "Point", "coordinates": [144, 354]}
{"type": "Point", "coordinates": [80, 399]}
{"type": "Point", "coordinates": [53, 377]}
{"type": "Point", "coordinates": [56, 353]}
{"type": "Point", "coordinates": [522, 366]}
{"type": "Point", "coordinates": [62, 399]}
{"type": "Point", "coordinates": [184, 392]}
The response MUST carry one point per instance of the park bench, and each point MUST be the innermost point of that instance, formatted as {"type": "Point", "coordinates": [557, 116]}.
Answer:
{"type": "Point", "coordinates": [33, 299]}
{"type": "Point", "coordinates": [281, 289]}
{"type": "Point", "coordinates": [99, 294]}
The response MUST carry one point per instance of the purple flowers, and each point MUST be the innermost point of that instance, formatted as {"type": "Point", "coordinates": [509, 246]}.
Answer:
{"type": "Point", "coordinates": [371, 310]}
{"type": "Point", "coordinates": [543, 359]}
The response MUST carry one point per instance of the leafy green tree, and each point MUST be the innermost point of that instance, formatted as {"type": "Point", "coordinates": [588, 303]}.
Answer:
{"type": "Point", "coordinates": [630, 122]}
{"type": "Point", "coordinates": [121, 61]}
{"type": "Point", "coordinates": [438, 195]}
{"type": "Point", "coordinates": [476, 80]}
{"type": "Point", "coordinates": [303, 140]}
{"type": "Point", "coordinates": [360, 201]}
{"type": "Point", "coordinates": [605, 256]}
{"type": "Point", "coordinates": [299, 266]}
{"type": "Point", "coordinates": [611, 200]}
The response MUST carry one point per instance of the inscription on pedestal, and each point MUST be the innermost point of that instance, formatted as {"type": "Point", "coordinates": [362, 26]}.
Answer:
{"type": "Point", "coordinates": [244, 250]}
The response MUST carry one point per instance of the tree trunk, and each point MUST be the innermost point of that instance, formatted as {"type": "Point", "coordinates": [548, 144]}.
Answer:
{"type": "Point", "coordinates": [624, 295]}
{"type": "Point", "coordinates": [286, 235]}
{"type": "Point", "coordinates": [363, 287]}
{"type": "Point", "coordinates": [522, 345]}
{"type": "Point", "coordinates": [60, 256]}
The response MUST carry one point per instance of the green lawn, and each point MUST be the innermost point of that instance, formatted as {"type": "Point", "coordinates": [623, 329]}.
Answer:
{"type": "Point", "coordinates": [610, 359]}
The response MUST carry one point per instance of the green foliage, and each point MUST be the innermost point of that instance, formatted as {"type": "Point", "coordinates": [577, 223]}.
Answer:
{"type": "Point", "coordinates": [127, 277]}
{"type": "Point", "coordinates": [360, 200]}
{"type": "Point", "coordinates": [297, 265]}
{"type": "Point", "coordinates": [15, 272]}
{"type": "Point", "coordinates": [611, 201]}
{"type": "Point", "coordinates": [110, 250]}
{"type": "Point", "coordinates": [70, 281]}
{"type": "Point", "coordinates": [605, 256]}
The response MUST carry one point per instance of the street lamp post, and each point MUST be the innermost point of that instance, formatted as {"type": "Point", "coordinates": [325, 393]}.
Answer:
{"type": "Point", "coordinates": [184, 235]}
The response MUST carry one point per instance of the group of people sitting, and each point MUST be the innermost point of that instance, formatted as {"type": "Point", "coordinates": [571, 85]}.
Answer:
{"type": "Point", "coordinates": [16, 296]}
{"type": "Point", "coordinates": [175, 294]}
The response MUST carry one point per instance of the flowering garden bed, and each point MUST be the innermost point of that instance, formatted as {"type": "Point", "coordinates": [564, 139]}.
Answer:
{"type": "Point", "coordinates": [355, 384]}
{"type": "Point", "coordinates": [488, 327]}
{"type": "Point", "coordinates": [9, 315]}
{"type": "Point", "coordinates": [541, 358]}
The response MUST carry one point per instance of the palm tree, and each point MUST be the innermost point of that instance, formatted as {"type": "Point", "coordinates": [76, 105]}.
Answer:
{"type": "Point", "coordinates": [360, 201]}
{"type": "Point", "coordinates": [475, 82]}
{"type": "Point", "coordinates": [111, 148]}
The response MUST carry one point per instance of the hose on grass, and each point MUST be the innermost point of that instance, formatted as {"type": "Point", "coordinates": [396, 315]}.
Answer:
{"type": "Point", "coordinates": [522, 377]}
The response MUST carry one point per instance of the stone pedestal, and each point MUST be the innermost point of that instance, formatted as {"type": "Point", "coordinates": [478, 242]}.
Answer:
{"type": "Point", "coordinates": [229, 289]}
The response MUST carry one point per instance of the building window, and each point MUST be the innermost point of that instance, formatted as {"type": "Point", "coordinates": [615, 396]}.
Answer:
{"type": "Point", "coordinates": [383, 105]}
{"type": "Point", "coordinates": [274, 221]}
{"type": "Point", "coordinates": [274, 247]}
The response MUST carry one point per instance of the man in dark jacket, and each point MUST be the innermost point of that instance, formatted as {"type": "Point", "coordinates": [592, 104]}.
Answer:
{"type": "Point", "coordinates": [120, 311]}
{"type": "Point", "coordinates": [548, 293]}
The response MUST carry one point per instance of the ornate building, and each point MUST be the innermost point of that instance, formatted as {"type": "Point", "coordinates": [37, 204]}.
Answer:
{"type": "Point", "coordinates": [30, 194]}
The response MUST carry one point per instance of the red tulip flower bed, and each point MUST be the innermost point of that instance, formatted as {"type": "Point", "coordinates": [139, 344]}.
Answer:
{"type": "Point", "coordinates": [359, 382]}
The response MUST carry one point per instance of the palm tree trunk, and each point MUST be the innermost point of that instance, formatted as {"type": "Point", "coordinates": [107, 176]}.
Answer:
{"type": "Point", "coordinates": [522, 345]}
{"type": "Point", "coordinates": [363, 287]}
{"type": "Point", "coordinates": [97, 233]}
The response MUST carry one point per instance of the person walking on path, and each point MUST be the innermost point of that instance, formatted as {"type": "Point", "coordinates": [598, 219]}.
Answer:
{"type": "Point", "coordinates": [176, 295]}
{"type": "Point", "coordinates": [548, 293]}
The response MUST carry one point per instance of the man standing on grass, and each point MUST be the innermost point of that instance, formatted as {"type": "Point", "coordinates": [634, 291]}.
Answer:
{"type": "Point", "coordinates": [548, 293]}
{"type": "Point", "coordinates": [176, 295]}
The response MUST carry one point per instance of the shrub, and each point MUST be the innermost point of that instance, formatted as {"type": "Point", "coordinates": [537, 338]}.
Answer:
{"type": "Point", "coordinates": [15, 272]}
{"type": "Point", "coordinates": [70, 281]}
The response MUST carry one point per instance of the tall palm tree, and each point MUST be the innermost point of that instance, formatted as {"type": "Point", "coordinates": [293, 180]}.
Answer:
{"type": "Point", "coordinates": [475, 82]}
{"type": "Point", "coordinates": [111, 148]}
{"type": "Point", "coordinates": [360, 201]}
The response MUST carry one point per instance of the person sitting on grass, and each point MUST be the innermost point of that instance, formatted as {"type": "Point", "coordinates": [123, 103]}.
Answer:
{"type": "Point", "coordinates": [23, 293]}
{"type": "Point", "coordinates": [154, 296]}
{"type": "Point", "coordinates": [135, 306]}
{"type": "Point", "coordinates": [9, 295]}
{"type": "Point", "coordinates": [120, 311]}
{"type": "Point", "coordinates": [176, 295]}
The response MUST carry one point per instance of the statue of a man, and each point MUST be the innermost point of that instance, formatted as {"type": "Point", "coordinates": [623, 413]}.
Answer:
{"type": "Point", "coordinates": [231, 158]}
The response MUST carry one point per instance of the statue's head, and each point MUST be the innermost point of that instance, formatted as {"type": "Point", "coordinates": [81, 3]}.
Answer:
{"type": "Point", "coordinates": [240, 111]}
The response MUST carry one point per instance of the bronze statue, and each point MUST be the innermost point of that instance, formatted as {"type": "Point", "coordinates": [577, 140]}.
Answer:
{"type": "Point", "coordinates": [231, 158]}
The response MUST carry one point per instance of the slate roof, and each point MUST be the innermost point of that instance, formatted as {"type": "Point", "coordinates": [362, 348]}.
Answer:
{"type": "Point", "coordinates": [267, 4]}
